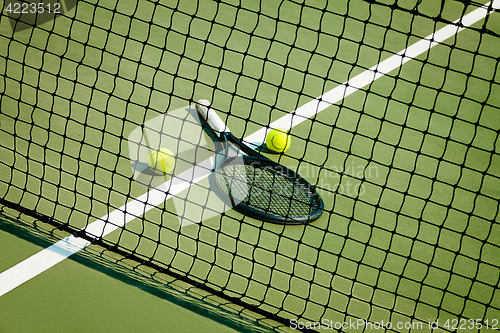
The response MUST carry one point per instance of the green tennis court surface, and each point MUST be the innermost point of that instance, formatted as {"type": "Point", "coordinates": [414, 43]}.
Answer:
{"type": "Point", "coordinates": [408, 165]}
{"type": "Point", "coordinates": [102, 291]}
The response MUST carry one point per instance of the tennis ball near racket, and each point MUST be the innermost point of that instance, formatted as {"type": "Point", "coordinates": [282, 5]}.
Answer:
{"type": "Point", "coordinates": [162, 161]}
{"type": "Point", "coordinates": [278, 140]}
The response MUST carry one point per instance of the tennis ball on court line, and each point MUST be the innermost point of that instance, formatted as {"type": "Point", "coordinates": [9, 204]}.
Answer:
{"type": "Point", "coordinates": [278, 140]}
{"type": "Point", "coordinates": [162, 161]}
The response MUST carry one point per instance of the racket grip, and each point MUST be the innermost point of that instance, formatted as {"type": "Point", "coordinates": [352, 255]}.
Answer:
{"type": "Point", "coordinates": [210, 116]}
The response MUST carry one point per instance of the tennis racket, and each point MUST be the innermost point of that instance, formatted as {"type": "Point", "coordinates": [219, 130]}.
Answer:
{"type": "Point", "coordinates": [257, 186]}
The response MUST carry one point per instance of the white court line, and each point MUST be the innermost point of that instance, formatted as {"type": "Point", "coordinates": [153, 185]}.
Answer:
{"type": "Point", "coordinates": [340, 92]}
{"type": "Point", "coordinates": [43, 260]}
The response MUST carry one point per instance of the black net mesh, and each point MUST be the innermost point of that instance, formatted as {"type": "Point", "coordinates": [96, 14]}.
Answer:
{"type": "Point", "coordinates": [407, 163]}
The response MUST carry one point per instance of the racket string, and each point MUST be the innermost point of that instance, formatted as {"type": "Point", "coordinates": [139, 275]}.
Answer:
{"type": "Point", "coordinates": [268, 190]}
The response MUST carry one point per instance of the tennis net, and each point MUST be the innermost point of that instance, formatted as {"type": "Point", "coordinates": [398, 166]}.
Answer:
{"type": "Point", "coordinates": [405, 151]}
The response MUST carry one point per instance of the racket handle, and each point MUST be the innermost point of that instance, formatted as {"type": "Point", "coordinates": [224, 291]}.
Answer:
{"type": "Point", "coordinates": [212, 119]}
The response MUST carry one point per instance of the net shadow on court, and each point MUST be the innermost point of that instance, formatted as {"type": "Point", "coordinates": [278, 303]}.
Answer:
{"type": "Point", "coordinates": [32, 228]}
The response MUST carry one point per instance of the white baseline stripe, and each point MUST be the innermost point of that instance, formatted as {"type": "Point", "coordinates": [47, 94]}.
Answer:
{"type": "Point", "coordinates": [340, 92]}
{"type": "Point", "coordinates": [43, 260]}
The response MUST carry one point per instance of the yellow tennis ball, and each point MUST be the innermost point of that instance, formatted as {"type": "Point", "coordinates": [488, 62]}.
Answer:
{"type": "Point", "coordinates": [162, 161]}
{"type": "Point", "coordinates": [278, 140]}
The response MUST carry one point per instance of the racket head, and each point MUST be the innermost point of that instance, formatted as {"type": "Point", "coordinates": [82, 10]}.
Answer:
{"type": "Point", "coordinates": [265, 190]}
